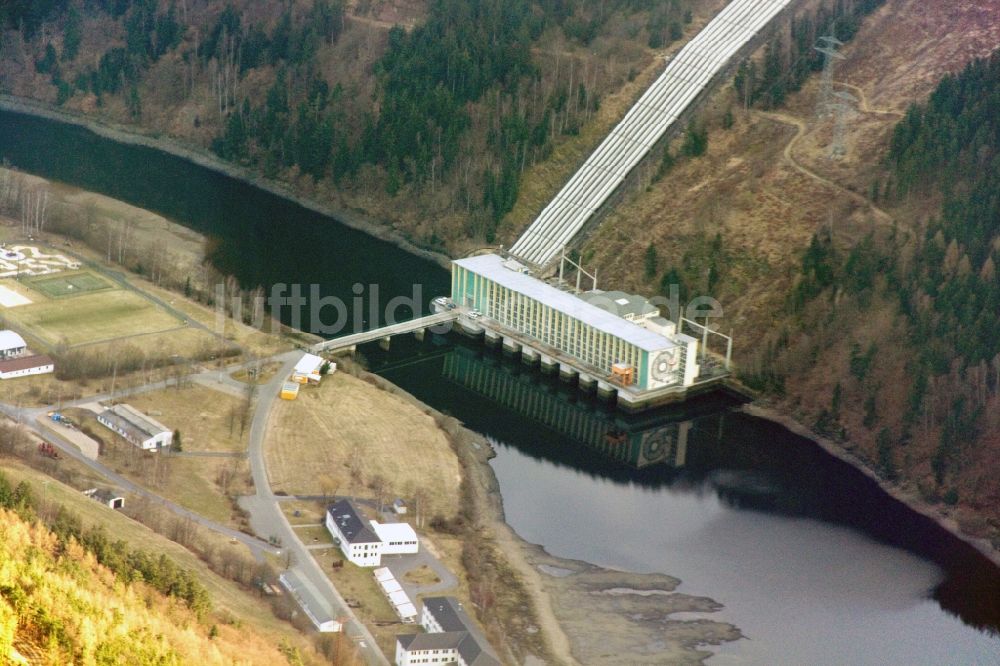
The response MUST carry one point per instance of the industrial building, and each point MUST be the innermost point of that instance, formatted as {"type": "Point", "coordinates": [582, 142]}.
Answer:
{"type": "Point", "coordinates": [613, 338]}
{"type": "Point", "coordinates": [140, 430]}
{"type": "Point", "coordinates": [452, 636]}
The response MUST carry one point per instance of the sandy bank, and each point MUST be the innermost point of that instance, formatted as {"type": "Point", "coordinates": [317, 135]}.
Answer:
{"type": "Point", "coordinates": [569, 598]}
{"type": "Point", "coordinates": [354, 219]}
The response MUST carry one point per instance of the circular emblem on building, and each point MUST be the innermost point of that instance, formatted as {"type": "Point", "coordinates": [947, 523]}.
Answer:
{"type": "Point", "coordinates": [655, 444]}
{"type": "Point", "coordinates": [665, 363]}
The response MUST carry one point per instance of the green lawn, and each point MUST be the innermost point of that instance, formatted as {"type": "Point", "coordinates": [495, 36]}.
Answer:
{"type": "Point", "coordinates": [92, 317]}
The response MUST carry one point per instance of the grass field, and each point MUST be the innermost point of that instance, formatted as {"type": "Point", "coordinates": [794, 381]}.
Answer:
{"type": "Point", "coordinates": [354, 582]}
{"type": "Point", "coordinates": [342, 434]}
{"type": "Point", "coordinates": [313, 535]}
{"type": "Point", "coordinates": [67, 283]}
{"type": "Point", "coordinates": [93, 317]}
{"type": "Point", "coordinates": [201, 414]}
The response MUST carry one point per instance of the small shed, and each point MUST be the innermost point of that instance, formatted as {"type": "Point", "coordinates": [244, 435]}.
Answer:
{"type": "Point", "coordinates": [289, 391]}
{"type": "Point", "coordinates": [106, 497]}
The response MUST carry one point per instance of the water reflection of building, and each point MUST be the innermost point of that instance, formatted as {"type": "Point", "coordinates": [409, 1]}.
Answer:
{"type": "Point", "coordinates": [638, 443]}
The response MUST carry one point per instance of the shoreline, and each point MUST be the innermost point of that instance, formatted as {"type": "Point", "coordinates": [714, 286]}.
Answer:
{"type": "Point", "coordinates": [908, 499]}
{"type": "Point", "coordinates": [569, 596]}
{"type": "Point", "coordinates": [131, 135]}
{"type": "Point", "coordinates": [476, 462]}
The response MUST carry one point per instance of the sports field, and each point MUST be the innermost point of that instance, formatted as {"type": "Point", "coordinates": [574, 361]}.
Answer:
{"type": "Point", "coordinates": [107, 314]}
{"type": "Point", "coordinates": [67, 284]}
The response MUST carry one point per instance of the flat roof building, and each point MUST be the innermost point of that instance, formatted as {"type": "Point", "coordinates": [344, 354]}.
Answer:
{"type": "Point", "coordinates": [137, 428]}
{"type": "Point", "coordinates": [623, 346]}
{"type": "Point", "coordinates": [397, 538]}
{"type": "Point", "coordinates": [107, 497]}
{"type": "Point", "coordinates": [309, 368]}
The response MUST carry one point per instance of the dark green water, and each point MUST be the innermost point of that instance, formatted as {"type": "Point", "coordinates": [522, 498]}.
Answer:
{"type": "Point", "coordinates": [260, 238]}
{"type": "Point", "coordinates": [810, 558]}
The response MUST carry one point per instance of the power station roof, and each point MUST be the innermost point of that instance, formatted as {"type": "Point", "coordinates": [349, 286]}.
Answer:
{"type": "Point", "coordinates": [619, 303]}
{"type": "Point", "coordinates": [492, 267]}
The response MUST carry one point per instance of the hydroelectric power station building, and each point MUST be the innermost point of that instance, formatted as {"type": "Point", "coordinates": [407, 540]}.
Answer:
{"type": "Point", "coordinates": [612, 339]}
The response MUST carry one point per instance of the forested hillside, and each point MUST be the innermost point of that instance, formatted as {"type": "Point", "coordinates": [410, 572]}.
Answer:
{"type": "Point", "coordinates": [443, 104]}
{"type": "Point", "coordinates": [910, 314]}
{"type": "Point", "coordinates": [70, 594]}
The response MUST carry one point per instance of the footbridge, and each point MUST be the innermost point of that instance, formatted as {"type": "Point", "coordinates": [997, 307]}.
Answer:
{"type": "Point", "coordinates": [355, 339]}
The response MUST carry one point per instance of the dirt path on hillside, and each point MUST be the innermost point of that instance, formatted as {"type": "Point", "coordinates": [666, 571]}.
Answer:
{"type": "Point", "coordinates": [882, 217]}
{"type": "Point", "coordinates": [863, 99]}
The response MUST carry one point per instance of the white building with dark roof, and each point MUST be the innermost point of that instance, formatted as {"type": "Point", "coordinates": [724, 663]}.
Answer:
{"type": "Point", "coordinates": [137, 428]}
{"type": "Point", "coordinates": [12, 344]}
{"type": "Point", "coordinates": [357, 540]}
{"type": "Point", "coordinates": [452, 637]}
{"type": "Point", "coordinates": [440, 648]}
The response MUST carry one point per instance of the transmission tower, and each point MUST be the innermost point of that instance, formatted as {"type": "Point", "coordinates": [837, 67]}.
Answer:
{"type": "Point", "coordinates": [830, 55]}
{"type": "Point", "coordinates": [843, 109]}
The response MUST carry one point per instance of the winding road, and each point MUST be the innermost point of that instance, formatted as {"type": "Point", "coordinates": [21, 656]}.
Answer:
{"type": "Point", "coordinates": [266, 517]}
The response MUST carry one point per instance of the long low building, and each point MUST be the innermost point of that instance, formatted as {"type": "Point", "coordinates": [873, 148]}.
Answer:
{"type": "Point", "coordinates": [137, 428]}
{"type": "Point", "coordinates": [608, 333]}
{"type": "Point", "coordinates": [312, 605]}
{"type": "Point", "coordinates": [23, 366]}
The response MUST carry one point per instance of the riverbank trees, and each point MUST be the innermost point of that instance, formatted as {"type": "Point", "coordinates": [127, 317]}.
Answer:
{"type": "Point", "coordinates": [905, 319]}
{"type": "Point", "coordinates": [445, 104]}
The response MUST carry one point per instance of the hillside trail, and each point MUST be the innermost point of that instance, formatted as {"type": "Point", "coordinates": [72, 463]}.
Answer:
{"type": "Point", "coordinates": [882, 218]}
{"type": "Point", "coordinates": [863, 98]}
{"type": "Point", "coordinates": [407, 26]}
